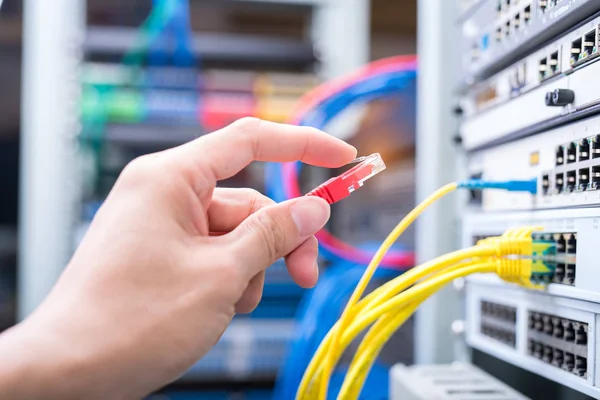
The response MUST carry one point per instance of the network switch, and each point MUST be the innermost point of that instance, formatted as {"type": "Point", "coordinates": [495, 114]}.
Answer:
{"type": "Point", "coordinates": [565, 160]}
{"type": "Point", "coordinates": [555, 81]}
{"type": "Point", "coordinates": [455, 381]}
{"type": "Point", "coordinates": [519, 26]}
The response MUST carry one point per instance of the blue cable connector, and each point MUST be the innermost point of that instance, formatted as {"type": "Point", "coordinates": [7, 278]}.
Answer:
{"type": "Point", "coordinates": [529, 186]}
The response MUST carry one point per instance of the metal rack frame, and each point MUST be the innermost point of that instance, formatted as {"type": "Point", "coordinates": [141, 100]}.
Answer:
{"type": "Point", "coordinates": [435, 161]}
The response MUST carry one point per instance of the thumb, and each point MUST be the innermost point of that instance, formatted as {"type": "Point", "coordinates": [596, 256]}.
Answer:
{"type": "Point", "coordinates": [275, 231]}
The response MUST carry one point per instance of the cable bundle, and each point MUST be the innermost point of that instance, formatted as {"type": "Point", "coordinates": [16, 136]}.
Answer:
{"type": "Point", "coordinates": [388, 307]}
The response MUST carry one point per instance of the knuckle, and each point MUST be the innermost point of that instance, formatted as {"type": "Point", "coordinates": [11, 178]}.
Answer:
{"type": "Point", "coordinates": [247, 123]}
{"type": "Point", "coordinates": [145, 171]}
{"type": "Point", "coordinates": [136, 170]}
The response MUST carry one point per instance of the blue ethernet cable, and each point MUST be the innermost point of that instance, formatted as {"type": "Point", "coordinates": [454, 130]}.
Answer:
{"type": "Point", "coordinates": [317, 312]}
{"type": "Point", "coordinates": [377, 86]}
{"type": "Point", "coordinates": [529, 185]}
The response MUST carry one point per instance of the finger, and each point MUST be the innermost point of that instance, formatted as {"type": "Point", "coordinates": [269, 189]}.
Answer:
{"type": "Point", "coordinates": [275, 231]}
{"type": "Point", "coordinates": [252, 295]}
{"type": "Point", "coordinates": [224, 153]}
{"type": "Point", "coordinates": [302, 263]}
{"type": "Point", "coordinates": [229, 207]}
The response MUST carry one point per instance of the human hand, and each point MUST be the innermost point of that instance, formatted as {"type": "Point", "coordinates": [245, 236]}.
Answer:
{"type": "Point", "coordinates": [152, 287]}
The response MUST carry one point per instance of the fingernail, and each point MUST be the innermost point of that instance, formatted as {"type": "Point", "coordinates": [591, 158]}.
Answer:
{"type": "Point", "coordinates": [317, 270]}
{"type": "Point", "coordinates": [310, 214]}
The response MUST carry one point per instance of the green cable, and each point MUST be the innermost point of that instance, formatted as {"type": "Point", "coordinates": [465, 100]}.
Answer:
{"type": "Point", "coordinates": [103, 102]}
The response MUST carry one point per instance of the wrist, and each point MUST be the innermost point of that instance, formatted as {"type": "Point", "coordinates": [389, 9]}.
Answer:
{"type": "Point", "coordinates": [36, 364]}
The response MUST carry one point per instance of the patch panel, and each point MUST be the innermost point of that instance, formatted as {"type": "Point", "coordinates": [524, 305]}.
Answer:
{"type": "Point", "coordinates": [499, 322]}
{"type": "Point", "coordinates": [561, 342]}
{"type": "Point", "coordinates": [555, 252]}
{"type": "Point", "coordinates": [554, 335]}
{"type": "Point", "coordinates": [574, 237]}
{"type": "Point", "coordinates": [559, 257]}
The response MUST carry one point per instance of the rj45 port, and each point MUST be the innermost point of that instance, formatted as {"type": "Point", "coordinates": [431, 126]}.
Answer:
{"type": "Point", "coordinates": [584, 150]}
{"type": "Point", "coordinates": [571, 153]}
{"type": "Point", "coordinates": [584, 178]}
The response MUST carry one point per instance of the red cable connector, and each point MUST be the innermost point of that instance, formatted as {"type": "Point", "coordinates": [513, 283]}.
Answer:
{"type": "Point", "coordinates": [340, 187]}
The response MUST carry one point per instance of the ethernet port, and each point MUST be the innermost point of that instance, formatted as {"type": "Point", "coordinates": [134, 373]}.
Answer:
{"type": "Point", "coordinates": [584, 178]}
{"type": "Point", "coordinates": [589, 43]}
{"type": "Point", "coordinates": [507, 28]}
{"type": "Point", "coordinates": [527, 15]}
{"type": "Point", "coordinates": [545, 184]}
{"type": "Point", "coordinates": [569, 274]}
{"type": "Point", "coordinates": [548, 325]}
{"type": "Point", "coordinates": [596, 147]}
{"type": "Point", "coordinates": [538, 349]}
{"type": "Point", "coordinates": [558, 358]}
{"type": "Point", "coordinates": [581, 335]}
{"type": "Point", "coordinates": [571, 179]}
{"type": "Point", "coordinates": [559, 329]}
{"type": "Point", "coordinates": [554, 63]}
{"type": "Point", "coordinates": [499, 34]}
{"type": "Point", "coordinates": [569, 362]}
{"type": "Point", "coordinates": [543, 68]}
{"type": "Point", "coordinates": [499, 8]}
{"type": "Point", "coordinates": [517, 21]}
{"type": "Point", "coordinates": [559, 274]}
{"type": "Point", "coordinates": [572, 244]}
{"type": "Point", "coordinates": [561, 243]}
{"type": "Point", "coordinates": [538, 325]}
{"type": "Point", "coordinates": [547, 354]}
{"type": "Point", "coordinates": [559, 182]}
{"type": "Point", "coordinates": [543, 5]}
{"type": "Point", "coordinates": [576, 50]}
{"type": "Point", "coordinates": [580, 366]}
{"type": "Point", "coordinates": [476, 196]}
{"type": "Point", "coordinates": [569, 331]}
{"type": "Point", "coordinates": [595, 177]}
{"type": "Point", "coordinates": [584, 150]}
{"type": "Point", "coordinates": [560, 155]}
{"type": "Point", "coordinates": [571, 153]}
{"type": "Point", "coordinates": [531, 321]}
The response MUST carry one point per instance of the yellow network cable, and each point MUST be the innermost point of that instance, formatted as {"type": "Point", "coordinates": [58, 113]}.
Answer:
{"type": "Point", "coordinates": [331, 348]}
{"type": "Point", "coordinates": [388, 290]}
{"type": "Point", "coordinates": [394, 302]}
{"type": "Point", "coordinates": [363, 320]}
{"type": "Point", "coordinates": [384, 328]}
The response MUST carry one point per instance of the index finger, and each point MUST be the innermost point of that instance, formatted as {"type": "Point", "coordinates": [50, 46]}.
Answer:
{"type": "Point", "coordinates": [227, 151]}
